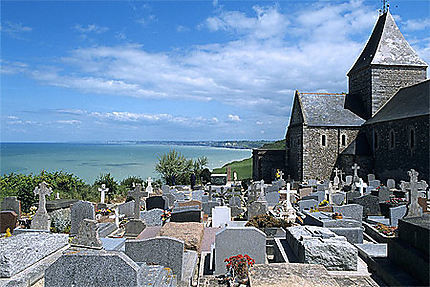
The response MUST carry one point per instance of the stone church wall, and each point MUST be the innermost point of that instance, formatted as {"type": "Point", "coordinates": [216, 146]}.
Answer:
{"type": "Point", "coordinates": [294, 154]}
{"type": "Point", "coordinates": [394, 161]}
{"type": "Point", "coordinates": [360, 86]}
{"type": "Point", "coordinates": [265, 162]}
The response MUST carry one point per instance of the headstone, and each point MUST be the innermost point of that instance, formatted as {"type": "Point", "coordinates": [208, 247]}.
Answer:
{"type": "Point", "coordinates": [414, 209]}
{"type": "Point", "coordinates": [338, 198]}
{"type": "Point", "coordinates": [354, 211]}
{"type": "Point", "coordinates": [384, 194]}
{"type": "Point", "coordinates": [370, 177]}
{"type": "Point", "coordinates": [257, 208]}
{"type": "Point", "coordinates": [397, 213]}
{"type": "Point", "coordinates": [137, 194]}
{"type": "Point", "coordinates": [221, 216]}
{"type": "Point", "coordinates": [197, 195]}
{"type": "Point", "coordinates": [391, 183]}
{"type": "Point", "coordinates": [320, 195]}
{"type": "Point", "coordinates": [165, 251]}
{"type": "Point", "coordinates": [13, 204]}
{"type": "Point", "coordinates": [41, 219]}
{"type": "Point", "coordinates": [78, 212]}
{"type": "Point", "coordinates": [134, 227]}
{"type": "Point", "coordinates": [272, 198]}
{"type": "Point", "coordinates": [312, 182]}
{"type": "Point", "coordinates": [232, 241]}
{"type": "Point", "coordinates": [236, 211]}
{"type": "Point", "coordinates": [348, 179]}
{"type": "Point", "coordinates": [101, 268]}
{"type": "Point", "coordinates": [207, 207]}
{"type": "Point", "coordinates": [261, 197]}
{"type": "Point", "coordinates": [186, 216]}
{"type": "Point", "coordinates": [191, 203]}
{"type": "Point", "coordinates": [307, 204]}
{"type": "Point", "coordinates": [8, 220]}
{"type": "Point", "coordinates": [156, 202]}
{"type": "Point", "coordinates": [235, 201]}
{"type": "Point", "coordinates": [375, 183]}
{"type": "Point", "coordinates": [165, 189]}
{"type": "Point", "coordinates": [370, 204]}
{"type": "Point", "coordinates": [149, 188]}
{"type": "Point", "coordinates": [305, 191]}
{"type": "Point", "coordinates": [103, 189]}
{"type": "Point", "coordinates": [152, 217]}
{"type": "Point", "coordinates": [355, 168]}
{"type": "Point", "coordinates": [205, 198]}
{"type": "Point", "coordinates": [88, 235]}
{"type": "Point", "coordinates": [170, 199]}
{"type": "Point", "coordinates": [21, 251]}
{"type": "Point", "coordinates": [350, 195]}
{"type": "Point", "coordinates": [126, 208]}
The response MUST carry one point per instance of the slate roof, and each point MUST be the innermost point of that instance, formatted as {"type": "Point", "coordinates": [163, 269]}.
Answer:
{"type": "Point", "coordinates": [408, 102]}
{"type": "Point", "coordinates": [387, 46]}
{"type": "Point", "coordinates": [326, 110]}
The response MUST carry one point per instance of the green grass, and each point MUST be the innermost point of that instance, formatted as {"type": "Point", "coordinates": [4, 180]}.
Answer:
{"type": "Point", "coordinates": [242, 167]}
{"type": "Point", "coordinates": [274, 145]}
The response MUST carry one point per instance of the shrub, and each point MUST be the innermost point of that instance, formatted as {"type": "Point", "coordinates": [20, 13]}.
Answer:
{"type": "Point", "coordinates": [263, 220]}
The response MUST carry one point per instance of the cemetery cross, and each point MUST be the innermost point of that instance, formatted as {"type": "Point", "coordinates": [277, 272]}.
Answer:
{"type": "Point", "coordinates": [136, 194]}
{"type": "Point", "coordinates": [414, 209]}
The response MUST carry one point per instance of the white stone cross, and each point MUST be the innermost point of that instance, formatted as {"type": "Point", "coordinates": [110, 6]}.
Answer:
{"type": "Point", "coordinates": [117, 217]}
{"type": "Point", "coordinates": [149, 186]}
{"type": "Point", "coordinates": [103, 189]}
{"type": "Point", "coordinates": [362, 185]}
{"type": "Point", "coordinates": [234, 175]}
{"type": "Point", "coordinates": [58, 195]}
{"type": "Point", "coordinates": [262, 190]}
{"type": "Point", "coordinates": [136, 194]}
{"type": "Point", "coordinates": [289, 192]}
{"type": "Point", "coordinates": [330, 193]}
{"type": "Point", "coordinates": [336, 179]}
{"type": "Point", "coordinates": [42, 190]}
{"type": "Point", "coordinates": [414, 209]}
{"type": "Point", "coordinates": [355, 167]}
{"type": "Point", "coordinates": [281, 175]}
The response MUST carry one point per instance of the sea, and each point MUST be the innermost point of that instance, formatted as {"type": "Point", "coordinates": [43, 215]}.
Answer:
{"type": "Point", "coordinates": [88, 161]}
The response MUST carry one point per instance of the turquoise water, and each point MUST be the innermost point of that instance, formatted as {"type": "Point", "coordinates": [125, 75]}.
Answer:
{"type": "Point", "coordinates": [90, 160]}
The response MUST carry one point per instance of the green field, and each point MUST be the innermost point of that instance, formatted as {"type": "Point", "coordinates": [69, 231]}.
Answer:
{"type": "Point", "coordinates": [242, 167]}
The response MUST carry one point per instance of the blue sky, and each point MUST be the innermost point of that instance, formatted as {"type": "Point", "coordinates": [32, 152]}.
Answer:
{"type": "Point", "coordinates": [178, 70]}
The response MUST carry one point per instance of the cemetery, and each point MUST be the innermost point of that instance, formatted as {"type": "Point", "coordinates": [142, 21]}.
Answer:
{"type": "Point", "coordinates": [222, 233]}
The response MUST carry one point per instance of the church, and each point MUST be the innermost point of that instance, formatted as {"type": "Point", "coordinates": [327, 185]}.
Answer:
{"type": "Point", "coordinates": [382, 123]}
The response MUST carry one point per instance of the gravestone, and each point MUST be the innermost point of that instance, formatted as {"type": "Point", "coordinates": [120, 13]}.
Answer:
{"type": "Point", "coordinates": [236, 211]}
{"type": "Point", "coordinates": [103, 189]}
{"type": "Point", "coordinates": [88, 235]}
{"type": "Point", "coordinates": [152, 217]}
{"type": "Point", "coordinates": [41, 219]}
{"type": "Point", "coordinates": [320, 195]}
{"type": "Point", "coordinates": [134, 227]}
{"type": "Point", "coordinates": [221, 216]}
{"type": "Point", "coordinates": [348, 179]}
{"type": "Point", "coordinates": [137, 194]}
{"type": "Point", "coordinates": [13, 204]}
{"type": "Point", "coordinates": [165, 189]}
{"type": "Point", "coordinates": [391, 183]}
{"type": "Point", "coordinates": [235, 201]}
{"type": "Point", "coordinates": [351, 195]}
{"type": "Point", "coordinates": [99, 268]}
{"type": "Point", "coordinates": [170, 199]}
{"type": "Point", "coordinates": [186, 216]}
{"type": "Point", "coordinates": [370, 177]}
{"type": "Point", "coordinates": [165, 251]}
{"type": "Point", "coordinates": [78, 212]}
{"type": "Point", "coordinates": [397, 213]}
{"type": "Point", "coordinates": [179, 195]}
{"type": "Point", "coordinates": [355, 168]}
{"type": "Point", "coordinates": [384, 194]}
{"type": "Point", "coordinates": [312, 182]}
{"type": "Point", "coordinates": [205, 198]}
{"type": "Point", "coordinates": [126, 208]}
{"type": "Point", "coordinates": [156, 202]}
{"type": "Point", "coordinates": [307, 204]}
{"type": "Point", "coordinates": [149, 188]}
{"type": "Point", "coordinates": [370, 204]}
{"type": "Point", "coordinates": [207, 207]}
{"type": "Point", "coordinates": [257, 208]}
{"type": "Point", "coordinates": [414, 209]}
{"type": "Point", "coordinates": [375, 183]}
{"type": "Point", "coordinates": [305, 191]}
{"type": "Point", "coordinates": [20, 251]}
{"type": "Point", "coordinates": [232, 241]}
{"type": "Point", "coordinates": [272, 198]}
{"type": "Point", "coordinates": [354, 211]}
{"type": "Point", "coordinates": [338, 198]}
{"type": "Point", "coordinates": [197, 195]}
{"type": "Point", "coordinates": [191, 203]}
{"type": "Point", "coordinates": [8, 220]}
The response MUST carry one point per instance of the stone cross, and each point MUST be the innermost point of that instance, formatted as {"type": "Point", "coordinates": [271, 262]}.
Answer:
{"type": "Point", "coordinates": [42, 190]}
{"type": "Point", "coordinates": [235, 176]}
{"type": "Point", "coordinates": [210, 193]}
{"type": "Point", "coordinates": [361, 185]}
{"type": "Point", "coordinates": [149, 187]}
{"type": "Point", "coordinates": [136, 194]}
{"type": "Point", "coordinates": [262, 190]}
{"type": "Point", "coordinates": [289, 192]}
{"type": "Point", "coordinates": [58, 195]}
{"type": "Point", "coordinates": [330, 193]}
{"type": "Point", "coordinates": [336, 179]}
{"type": "Point", "coordinates": [103, 191]}
{"type": "Point", "coordinates": [117, 217]}
{"type": "Point", "coordinates": [281, 175]}
{"type": "Point", "coordinates": [414, 209]}
{"type": "Point", "coordinates": [356, 167]}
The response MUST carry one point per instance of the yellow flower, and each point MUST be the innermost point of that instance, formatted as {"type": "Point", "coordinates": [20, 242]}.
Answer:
{"type": "Point", "coordinates": [8, 234]}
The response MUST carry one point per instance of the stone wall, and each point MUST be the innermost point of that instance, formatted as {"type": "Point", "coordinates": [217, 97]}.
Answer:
{"type": "Point", "coordinates": [318, 160]}
{"type": "Point", "coordinates": [393, 161]}
{"type": "Point", "coordinates": [265, 162]}
{"type": "Point", "coordinates": [360, 86]}
{"type": "Point", "coordinates": [388, 80]}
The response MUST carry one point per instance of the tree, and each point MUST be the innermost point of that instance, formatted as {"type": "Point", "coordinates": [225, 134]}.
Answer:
{"type": "Point", "coordinates": [205, 175]}
{"type": "Point", "coordinates": [198, 167]}
{"type": "Point", "coordinates": [110, 183]}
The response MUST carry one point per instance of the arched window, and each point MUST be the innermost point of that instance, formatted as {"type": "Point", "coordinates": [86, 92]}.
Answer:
{"type": "Point", "coordinates": [343, 140]}
{"type": "Point", "coordinates": [412, 138]}
{"type": "Point", "coordinates": [392, 139]}
{"type": "Point", "coordinates": [375, 140]}
{"type": "Point", "coordinates": [323, 140]}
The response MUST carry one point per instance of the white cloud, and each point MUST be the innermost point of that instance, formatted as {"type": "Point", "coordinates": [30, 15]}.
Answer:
{"type": "Point", "coordinates": [14, 29]}
{"type": "Point", "coordinates": [12, 118]}
{"type": "Point", "coordinates": [181, 28]}
{"type": "Point", "coordinates": [234, 118]}
{"type": "Point", "coordinates": [416, 24]}
{"type": "Point", "coordinates": [90, 28]}
{"type": "Point", "coordinates": [69, 122]}
{"type": "Point", "coordinates": [259, 123]}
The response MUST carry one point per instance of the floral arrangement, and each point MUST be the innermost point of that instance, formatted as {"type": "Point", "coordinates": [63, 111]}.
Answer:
{"type": "Point", "coordinates": [104, 211]}
{"type": "Point", "coordinates": [165, 216]}
{"type": "Point", "coordinates": [323, 203]}
{"type": "Point", "coordinates": [237, 268]}
{"type": "Point", "coordinates": [386, 230]}
{"type": "Point", "coordinates": [336, 215]}
{"type": "Point", "coordinates": [396, 201]}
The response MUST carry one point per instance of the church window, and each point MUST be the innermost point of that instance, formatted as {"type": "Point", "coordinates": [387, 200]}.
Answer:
{"type": "Point", "coordinates": [392, 139]}
{"type": "Point", "coordinates": [343, 140]}
{"type": "Point", "coordinates": [323, 140]}
{"type": "Point", "coordinates": [412, 138]}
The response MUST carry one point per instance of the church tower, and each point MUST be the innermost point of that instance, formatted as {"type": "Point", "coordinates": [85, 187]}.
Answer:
{"type": "Point", "coordinates": [386, 64]}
